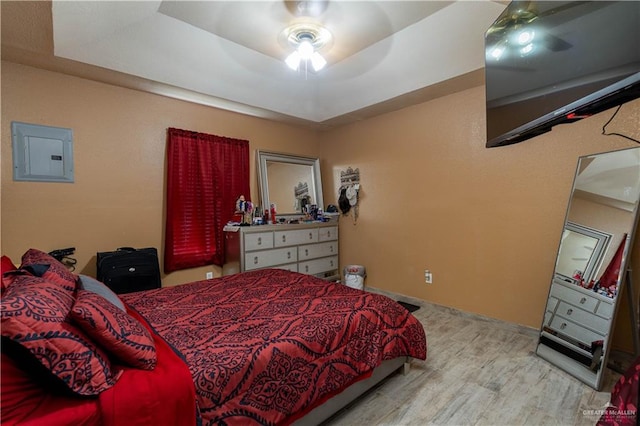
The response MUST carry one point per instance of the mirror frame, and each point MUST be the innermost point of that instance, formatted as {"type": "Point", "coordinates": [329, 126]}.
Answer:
{"type": "Point", "coordinates": [263, 180]}
{"type": "Point", "coordinates": [597, 256]}
{"type": "Point", "coordinates": [571, 366]}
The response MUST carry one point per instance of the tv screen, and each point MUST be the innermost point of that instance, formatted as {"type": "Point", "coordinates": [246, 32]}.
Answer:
{"type": "Point", "coordinates": [552, 62]}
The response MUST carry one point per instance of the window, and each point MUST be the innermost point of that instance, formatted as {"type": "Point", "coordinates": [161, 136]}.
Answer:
{"type": "Point", "coordinates": [205, 176]}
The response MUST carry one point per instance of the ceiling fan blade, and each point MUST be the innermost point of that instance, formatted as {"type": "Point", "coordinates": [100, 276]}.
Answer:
{"type": "Point", "coordinates": [310, 8]}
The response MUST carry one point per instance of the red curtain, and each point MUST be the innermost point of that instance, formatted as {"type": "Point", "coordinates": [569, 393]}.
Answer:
{"type": "Point", "coordinates": [205, 176]}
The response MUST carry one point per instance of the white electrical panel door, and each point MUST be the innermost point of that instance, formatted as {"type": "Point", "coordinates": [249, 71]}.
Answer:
{"type": "Point", "coordinates": [42, 153]}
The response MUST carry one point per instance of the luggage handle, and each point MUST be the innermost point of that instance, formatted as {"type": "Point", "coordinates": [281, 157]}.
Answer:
{"type": "Point", "coordinates": [126, 249]}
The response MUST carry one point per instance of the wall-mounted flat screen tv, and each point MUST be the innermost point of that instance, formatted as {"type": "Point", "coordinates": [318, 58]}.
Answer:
{"type": "Point", "coordinates": [552, 62]}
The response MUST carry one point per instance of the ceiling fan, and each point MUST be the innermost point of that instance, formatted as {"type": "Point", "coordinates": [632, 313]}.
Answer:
{"type": "Point", "coordinates": [305, 35]}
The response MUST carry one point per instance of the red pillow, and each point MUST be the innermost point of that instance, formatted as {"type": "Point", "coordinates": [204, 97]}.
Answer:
{"type": "Point", "coordinates": [116, 331]}
{"type": "Point", "coordinates": [7, 265]}
{"type": "Point", "coordinates": [56, 273]}
{"type": "Point", "coordinates": [39, 337]}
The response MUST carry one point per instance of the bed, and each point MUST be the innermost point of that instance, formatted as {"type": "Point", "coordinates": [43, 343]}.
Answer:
{"type": "Point", "coordinates": [261, 347]}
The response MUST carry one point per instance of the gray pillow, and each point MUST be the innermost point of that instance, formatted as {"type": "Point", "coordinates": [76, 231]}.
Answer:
{"type": "Point", "coordinates": [95, 286]}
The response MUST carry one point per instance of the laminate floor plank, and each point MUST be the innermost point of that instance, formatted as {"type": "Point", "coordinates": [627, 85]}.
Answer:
{"type": "Point", "coordinates": [478, 371]}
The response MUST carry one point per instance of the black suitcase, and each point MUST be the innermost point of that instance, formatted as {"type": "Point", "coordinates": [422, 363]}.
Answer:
{"type": "Point", "coordinates": [128, 269]}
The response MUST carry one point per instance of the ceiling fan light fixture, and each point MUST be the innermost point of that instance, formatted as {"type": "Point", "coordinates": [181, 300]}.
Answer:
{"type": "Point", "coordinates": [307, 39]}
{"type": "Point", "coordinates": [293, 60]}
{"type": "Point", "coordinates": [317, 61]}
{"type": "Point", "coordinates": [306, 50]}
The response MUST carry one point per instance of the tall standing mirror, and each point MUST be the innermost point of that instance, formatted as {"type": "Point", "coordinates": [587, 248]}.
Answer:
{"type": "Point", "coordinates": [289, 181]}
{"type": "Point", "coordinates": [591, 263]}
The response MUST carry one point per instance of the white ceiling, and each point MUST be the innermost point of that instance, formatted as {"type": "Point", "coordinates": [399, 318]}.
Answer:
{"type": "Point", "coordinates": [612, 177]}
{"type": "Point", "coordinates": [233, 51]}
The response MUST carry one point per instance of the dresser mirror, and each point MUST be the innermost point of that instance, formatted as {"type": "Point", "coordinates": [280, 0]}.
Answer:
{"type": "Point", "coordinates": [591, 264]}
{"type": "Point", "coordinates": [580, 254]}
{"type": "Point", "coordinates": [289, 181]}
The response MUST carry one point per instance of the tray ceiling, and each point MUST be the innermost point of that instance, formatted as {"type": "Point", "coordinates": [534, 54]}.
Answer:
{"type": "Point", "coordinates": [230, 54]}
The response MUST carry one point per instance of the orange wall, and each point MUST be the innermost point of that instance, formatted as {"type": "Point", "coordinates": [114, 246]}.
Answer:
{"type": "Point", "coordinates": [119, 149]}
{"type": "Point", "coordinates": [486, 222]}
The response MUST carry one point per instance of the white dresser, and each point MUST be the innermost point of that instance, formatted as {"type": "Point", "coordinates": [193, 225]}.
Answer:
{"type": "Point", "coordinates": [575, 317]}
{"type": "Point", "coordinates": [309, 248]}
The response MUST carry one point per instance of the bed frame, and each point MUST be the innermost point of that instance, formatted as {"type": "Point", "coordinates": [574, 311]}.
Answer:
{"type": "Point", "coordinates": [350, 394]}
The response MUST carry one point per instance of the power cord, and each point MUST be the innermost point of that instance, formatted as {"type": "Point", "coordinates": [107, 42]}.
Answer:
{"type": "Point", "coordinates": [63, 256]}
{"type": "Point", "coordinates": [604, 128]}
{"type": "Point", "coordinates": [69, 262]}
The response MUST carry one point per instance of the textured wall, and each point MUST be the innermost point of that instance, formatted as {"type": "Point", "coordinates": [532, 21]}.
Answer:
{"type": "Point", "coordinates": [119, 147]}
{"type": "Point", "coordinates": [486, 222]}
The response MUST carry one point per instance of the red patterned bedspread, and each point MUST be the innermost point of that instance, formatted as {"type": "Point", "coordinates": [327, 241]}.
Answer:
{"type": "Point", "coordinates": [264, 346]}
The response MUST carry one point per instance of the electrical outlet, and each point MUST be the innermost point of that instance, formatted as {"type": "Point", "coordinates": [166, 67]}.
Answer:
{"type": "Point", "coordinates": [428, 276]}
{"type": "Point", "coordinates": [209, 275]}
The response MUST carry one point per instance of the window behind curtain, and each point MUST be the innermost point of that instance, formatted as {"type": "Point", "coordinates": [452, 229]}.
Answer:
{"type": "Point", "coordinates": [205, 176]}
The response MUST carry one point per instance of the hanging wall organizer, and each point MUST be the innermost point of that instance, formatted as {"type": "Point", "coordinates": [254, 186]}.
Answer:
{"type": "Point", "coordinates": [349, 192]}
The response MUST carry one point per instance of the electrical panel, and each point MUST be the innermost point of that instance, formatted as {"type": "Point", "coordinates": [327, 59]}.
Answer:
{"type": "Point", "coordinates": [42, 153]}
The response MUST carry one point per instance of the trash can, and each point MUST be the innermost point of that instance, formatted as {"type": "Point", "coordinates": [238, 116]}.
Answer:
{"type": "Point", "coordinates": [354, 276]}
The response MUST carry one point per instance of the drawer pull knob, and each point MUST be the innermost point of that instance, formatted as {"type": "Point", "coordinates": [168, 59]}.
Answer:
{"type": "Point", "coordinates": [563, 326]}
{"type": "Point", "coordinates": [288, 255]}
{"type": "Point", "coordinates": [306, 268]}
{"type": "Point", "coordinates": [569, 311]}
{"type": "Point", "coordinates": [310, 236]}
{"type": "Point", "coordinates": [584, 299]}
{"type": "Point", "coordinates": [259, 241]}
{"type": "Point", "coordinates": [132, 269]}
{"type": "Point", "coordinates": [284, 238]}
{"type": "Point", "coordinates": [255, 260]}
{"type": "Point", "coordinates": [306, 252]}
{"type": "Point", "coordinates": [331, 262]}
{"type": "Point", "coordinates": [331, 249]}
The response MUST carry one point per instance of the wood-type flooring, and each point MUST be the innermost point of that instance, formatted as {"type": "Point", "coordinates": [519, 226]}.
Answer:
{"type": "Point", "coordinates": [478, 371]}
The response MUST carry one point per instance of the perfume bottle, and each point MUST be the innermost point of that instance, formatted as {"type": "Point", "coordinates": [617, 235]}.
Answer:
{"type": "Point", "coordinates": [273, 213]}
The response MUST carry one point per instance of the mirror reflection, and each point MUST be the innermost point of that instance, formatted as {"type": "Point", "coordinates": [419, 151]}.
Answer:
{"type": "Point", "coordinates": [581, 250]}
{"type": "Point", "coordinates": [591, 263]}
{"type": "Point", "coordinates": [290, 182]}
{"type": "Point", "coordinates": [604, 204]}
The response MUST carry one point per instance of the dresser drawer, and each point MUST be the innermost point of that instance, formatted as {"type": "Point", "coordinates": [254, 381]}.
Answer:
{"type": "Point", "coordinates": [267, 258]}
{"type": "Point", "coordinates": [574, 297]}
{"type": "Point", "coordinates": [552, 302]}
{"type": "Point", "coordinates": [318, 265]}
{"type": "Point", "coordinates": [312, 251]}
{"type": "Point", "coordinates": [575, 331]}
{"type": "Point", "coordinates": [293, 267]}
{"type": "Point", "coordinates": [584, 318]}
{"type": "Point", "coordinates": [258, 241]}
{"type": "Point", "coordinates": [329, 233]}
{"type": "Point", "coordinates": [295, 237]}
{"type": "Point", "coordinates": [307, 248]}
{"type": "Point", "coordinates": [605, 310]}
